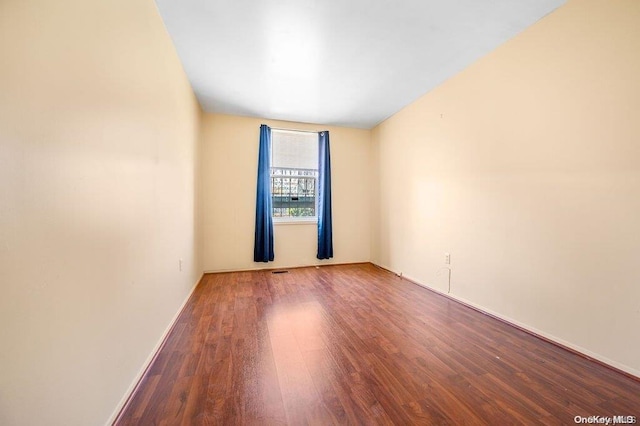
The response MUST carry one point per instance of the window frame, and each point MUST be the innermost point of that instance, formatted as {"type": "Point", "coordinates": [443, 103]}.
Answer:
{"type": "Point", "coordinates": [293, 220]}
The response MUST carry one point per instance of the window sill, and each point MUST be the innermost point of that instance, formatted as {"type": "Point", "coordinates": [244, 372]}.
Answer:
{"type": "Point", "coordinates": [287, 221]}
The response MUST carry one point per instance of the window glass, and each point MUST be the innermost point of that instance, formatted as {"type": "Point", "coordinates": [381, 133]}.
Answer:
{"type": "Point", "coordinates": [294, 172]}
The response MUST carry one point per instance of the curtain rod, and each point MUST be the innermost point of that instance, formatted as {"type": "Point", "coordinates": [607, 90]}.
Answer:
{"type": "Point", "coordinates": [295, 130]}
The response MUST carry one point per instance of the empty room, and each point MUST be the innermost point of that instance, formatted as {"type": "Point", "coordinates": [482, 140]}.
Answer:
{"type": "Point", "coordinates": [303, 212]}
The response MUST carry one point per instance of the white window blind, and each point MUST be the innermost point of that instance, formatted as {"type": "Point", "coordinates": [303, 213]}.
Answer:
{"type": "Point", "coordinates": [294, 150]}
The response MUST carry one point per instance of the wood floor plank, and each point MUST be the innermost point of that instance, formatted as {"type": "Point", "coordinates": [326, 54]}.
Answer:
{"type": "Point", "coordinates": [354, 344]}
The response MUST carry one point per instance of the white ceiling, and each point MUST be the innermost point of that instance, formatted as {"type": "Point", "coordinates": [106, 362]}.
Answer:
{"type": "Point", "coordinates": [340, 62]}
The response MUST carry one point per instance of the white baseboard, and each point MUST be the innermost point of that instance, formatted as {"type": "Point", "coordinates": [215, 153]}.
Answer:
{"type": "Point", "coordinates": [269, 266]}
{"type": "Point", "coordinates": [150, 358]}
{"type": "Point", "coordinates": [554, 339]}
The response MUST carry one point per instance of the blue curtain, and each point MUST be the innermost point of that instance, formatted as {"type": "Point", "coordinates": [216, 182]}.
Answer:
{"type": "Point", "coordinates": [325, 238]}
{"type": "Point", "coordinates": [263, 246]}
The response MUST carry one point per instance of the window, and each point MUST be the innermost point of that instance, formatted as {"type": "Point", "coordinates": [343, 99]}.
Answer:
{"type": "Point", "coordinates": [294, 175]}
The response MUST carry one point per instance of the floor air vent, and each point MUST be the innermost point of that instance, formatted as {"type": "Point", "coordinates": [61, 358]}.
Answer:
{"type": "Point", "coordinates": [280, 272]}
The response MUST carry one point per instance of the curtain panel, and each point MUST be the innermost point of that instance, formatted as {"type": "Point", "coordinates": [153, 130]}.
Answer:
{"type": "Point", "coordinates": [263, 245]}
{"type": "Point", "coordinates": [325, 231]}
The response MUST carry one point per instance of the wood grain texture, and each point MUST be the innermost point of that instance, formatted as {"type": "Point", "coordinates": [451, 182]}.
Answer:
{"type": "Point", "coordinates": [354, 344]}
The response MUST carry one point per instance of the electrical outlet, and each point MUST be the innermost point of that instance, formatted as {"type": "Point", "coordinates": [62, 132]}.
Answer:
{"type": "Point", "coordinates": [447, 259]}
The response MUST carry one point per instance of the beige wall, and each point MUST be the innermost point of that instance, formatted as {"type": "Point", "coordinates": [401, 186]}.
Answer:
{"type": "Point", "coordinates": [526, 168]}
{"type": "Point", "coordinates": [230, 162]}
{"type": "Point", "coordinates": [98, 146]}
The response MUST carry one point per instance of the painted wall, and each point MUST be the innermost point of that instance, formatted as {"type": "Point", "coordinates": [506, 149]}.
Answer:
{"type": "Point", "coordinates": [525, 167]}
{"type": "Point", "coordinates": [230, 162]}
{"type": "Point", "coordinates": [98, 147]}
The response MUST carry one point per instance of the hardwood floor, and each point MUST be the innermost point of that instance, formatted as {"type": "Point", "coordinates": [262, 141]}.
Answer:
{"type": "Point", "coordinates": [356, 345]}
